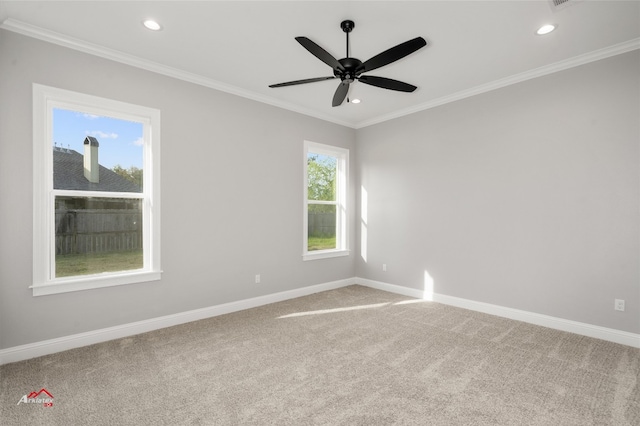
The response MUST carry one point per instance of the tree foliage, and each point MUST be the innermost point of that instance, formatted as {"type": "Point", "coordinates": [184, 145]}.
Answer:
{"type": "Point", "coordinates": [132, 174]}
{"type": "Point", "coordinates": [321, 174]}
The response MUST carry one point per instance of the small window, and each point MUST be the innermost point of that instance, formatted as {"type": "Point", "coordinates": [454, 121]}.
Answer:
{"type": "Point", "coordinates": [96, 192]}
{"type": "Point", "coordinates": [325, 212]}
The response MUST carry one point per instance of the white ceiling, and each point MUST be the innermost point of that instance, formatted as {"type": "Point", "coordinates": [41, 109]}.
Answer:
{"type": "Point", "coordinates": [241, 47]}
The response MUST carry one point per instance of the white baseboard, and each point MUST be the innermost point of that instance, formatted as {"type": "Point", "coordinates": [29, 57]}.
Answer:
{"type": "Point", "coordinates": [46, 347]}
{"type": "Point", "coordinates": [609, 334]}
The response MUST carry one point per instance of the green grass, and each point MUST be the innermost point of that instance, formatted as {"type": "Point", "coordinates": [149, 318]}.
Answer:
{"type": "Point", "coordinates": [321, 243]}
{"type": "Point", "coordinates": [70, 265]}
{"type": "Point", "coordinates": [85, 264]}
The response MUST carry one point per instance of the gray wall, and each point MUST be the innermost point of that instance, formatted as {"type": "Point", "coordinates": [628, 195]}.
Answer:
{"type": "Point", "coordinates": [223, 158]}
{"type": "Point", "coordinates": [525, 197]}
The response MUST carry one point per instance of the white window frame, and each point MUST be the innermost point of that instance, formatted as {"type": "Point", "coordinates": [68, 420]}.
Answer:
{"type": "Point", "coordinates": [342, 183]}
{"type": "Point", "coordinates": [45, 99]}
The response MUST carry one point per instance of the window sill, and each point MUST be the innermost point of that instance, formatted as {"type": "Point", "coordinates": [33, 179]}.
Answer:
{"type": "Point", "coordinates": [325, 254]}
{"type": "Point", "coordinates": [93, 281]}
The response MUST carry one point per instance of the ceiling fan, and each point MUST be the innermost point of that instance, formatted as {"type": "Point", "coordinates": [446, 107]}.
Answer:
{"type": "Point", "coordinates": [350, 69]}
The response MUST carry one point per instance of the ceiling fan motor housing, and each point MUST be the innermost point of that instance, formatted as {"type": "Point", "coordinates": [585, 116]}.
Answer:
{"type": "Point", "coordinates": [352, 69]}
{"type": "Point", "coordinates": [348, 69]}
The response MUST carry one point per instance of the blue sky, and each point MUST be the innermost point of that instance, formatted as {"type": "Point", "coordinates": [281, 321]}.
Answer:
{"type": "Point", "coordinates": [120, 140]}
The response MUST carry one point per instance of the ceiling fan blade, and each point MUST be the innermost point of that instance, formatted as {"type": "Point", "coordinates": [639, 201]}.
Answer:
{"type": "Point", "coordinates": [308, 80]}
{"type": "Point", "coordinates": [341, 94]}
{"type": "Point", "coordinates": [320, 53]}
{"type": "Point", "coordinates": [387, 83]}
{"type": "Point", "coordinates": [392, 55]}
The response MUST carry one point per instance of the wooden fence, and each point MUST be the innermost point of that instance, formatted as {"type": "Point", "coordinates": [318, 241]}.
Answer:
{"type": "Point", "coordinates": [98, 231]}
{"type": "Point", "coordinates": [321, 224]}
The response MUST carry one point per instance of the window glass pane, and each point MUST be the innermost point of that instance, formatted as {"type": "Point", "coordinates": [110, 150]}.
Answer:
{"type": "Point", "coordinates": [321, 227]}
{"type": "Point", "coordinates": [95, 235]}
{"type": "Point", "coordinates": [321, 176]}
{"type": "Point", "coordinates": [96, 153]}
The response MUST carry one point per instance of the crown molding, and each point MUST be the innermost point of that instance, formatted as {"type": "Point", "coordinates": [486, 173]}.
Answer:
{"type": "Point", "coordinates": [596, 55]}
{"type": "Point", "coordinates": [124, 58]}
{"type": "Point", "coordinates": [134, 61]}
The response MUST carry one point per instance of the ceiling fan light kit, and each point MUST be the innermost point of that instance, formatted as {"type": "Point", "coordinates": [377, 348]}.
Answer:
{"type": "Point", "coordinates": [349, 69]}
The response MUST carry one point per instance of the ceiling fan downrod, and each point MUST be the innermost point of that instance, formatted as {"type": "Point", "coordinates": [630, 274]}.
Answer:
{"type": "Point", "coordinates": [347, 26]}
{"type": "Point", "coordinates": [349, 69]}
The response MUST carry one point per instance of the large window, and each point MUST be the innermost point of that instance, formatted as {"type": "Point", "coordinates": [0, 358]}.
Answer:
{"type": "Point", "coordinates": [325, 212]}
{"type": "Point", "coordinates": [96, 192]}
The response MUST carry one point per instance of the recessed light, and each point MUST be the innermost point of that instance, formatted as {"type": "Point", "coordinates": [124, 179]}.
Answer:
{"type": "Point", "coordinates": [355, 101]}
{"type": "Point", "coordinates": [152, 25]}
{"type": "Point", "coordinates": [546, 29]}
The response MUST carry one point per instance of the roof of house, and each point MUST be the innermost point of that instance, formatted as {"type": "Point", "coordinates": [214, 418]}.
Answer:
{"type": "Point", "coordinates": [68, 173]}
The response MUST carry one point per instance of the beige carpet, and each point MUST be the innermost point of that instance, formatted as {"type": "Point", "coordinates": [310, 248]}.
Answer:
{"type": "Point", "coordinates": [352, 356]}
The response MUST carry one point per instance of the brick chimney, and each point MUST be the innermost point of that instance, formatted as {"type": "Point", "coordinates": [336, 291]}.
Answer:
{"type": "Point", "coordinates": [91, 166]}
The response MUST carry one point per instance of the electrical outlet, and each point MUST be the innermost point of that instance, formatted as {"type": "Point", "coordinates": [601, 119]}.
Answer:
{"type": "Point", "coordinates": [258, 279]}
{"type": "Point", "coordinates": [384, 267]}
{"type": "Point", "coordinates": [618, 305]}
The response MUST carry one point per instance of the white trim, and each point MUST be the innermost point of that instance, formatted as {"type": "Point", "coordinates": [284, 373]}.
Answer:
{"type": "Point", "coordinates": [19, 27]}
{"type": "Point", "coordinates": [33, 31]}
{"type": "Point", "coordinates": [45, 99]}
{"type": "Point", "coordinates": [88, 282]}
{"type": "Point", "coordinates": [583, 329]}
{"type": "Point", "coordinates": [46, 347]}
{"type": "Point", "coordinates": [342, 187]}
{"type": "Point", "coordinates": [100, 194]}
{"type": "Point", "coordinates": [391, 288]}
{"type": "Point", "coordinates": [586, 58]}
{"type": "Point", "coordinates": [325, 254]}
